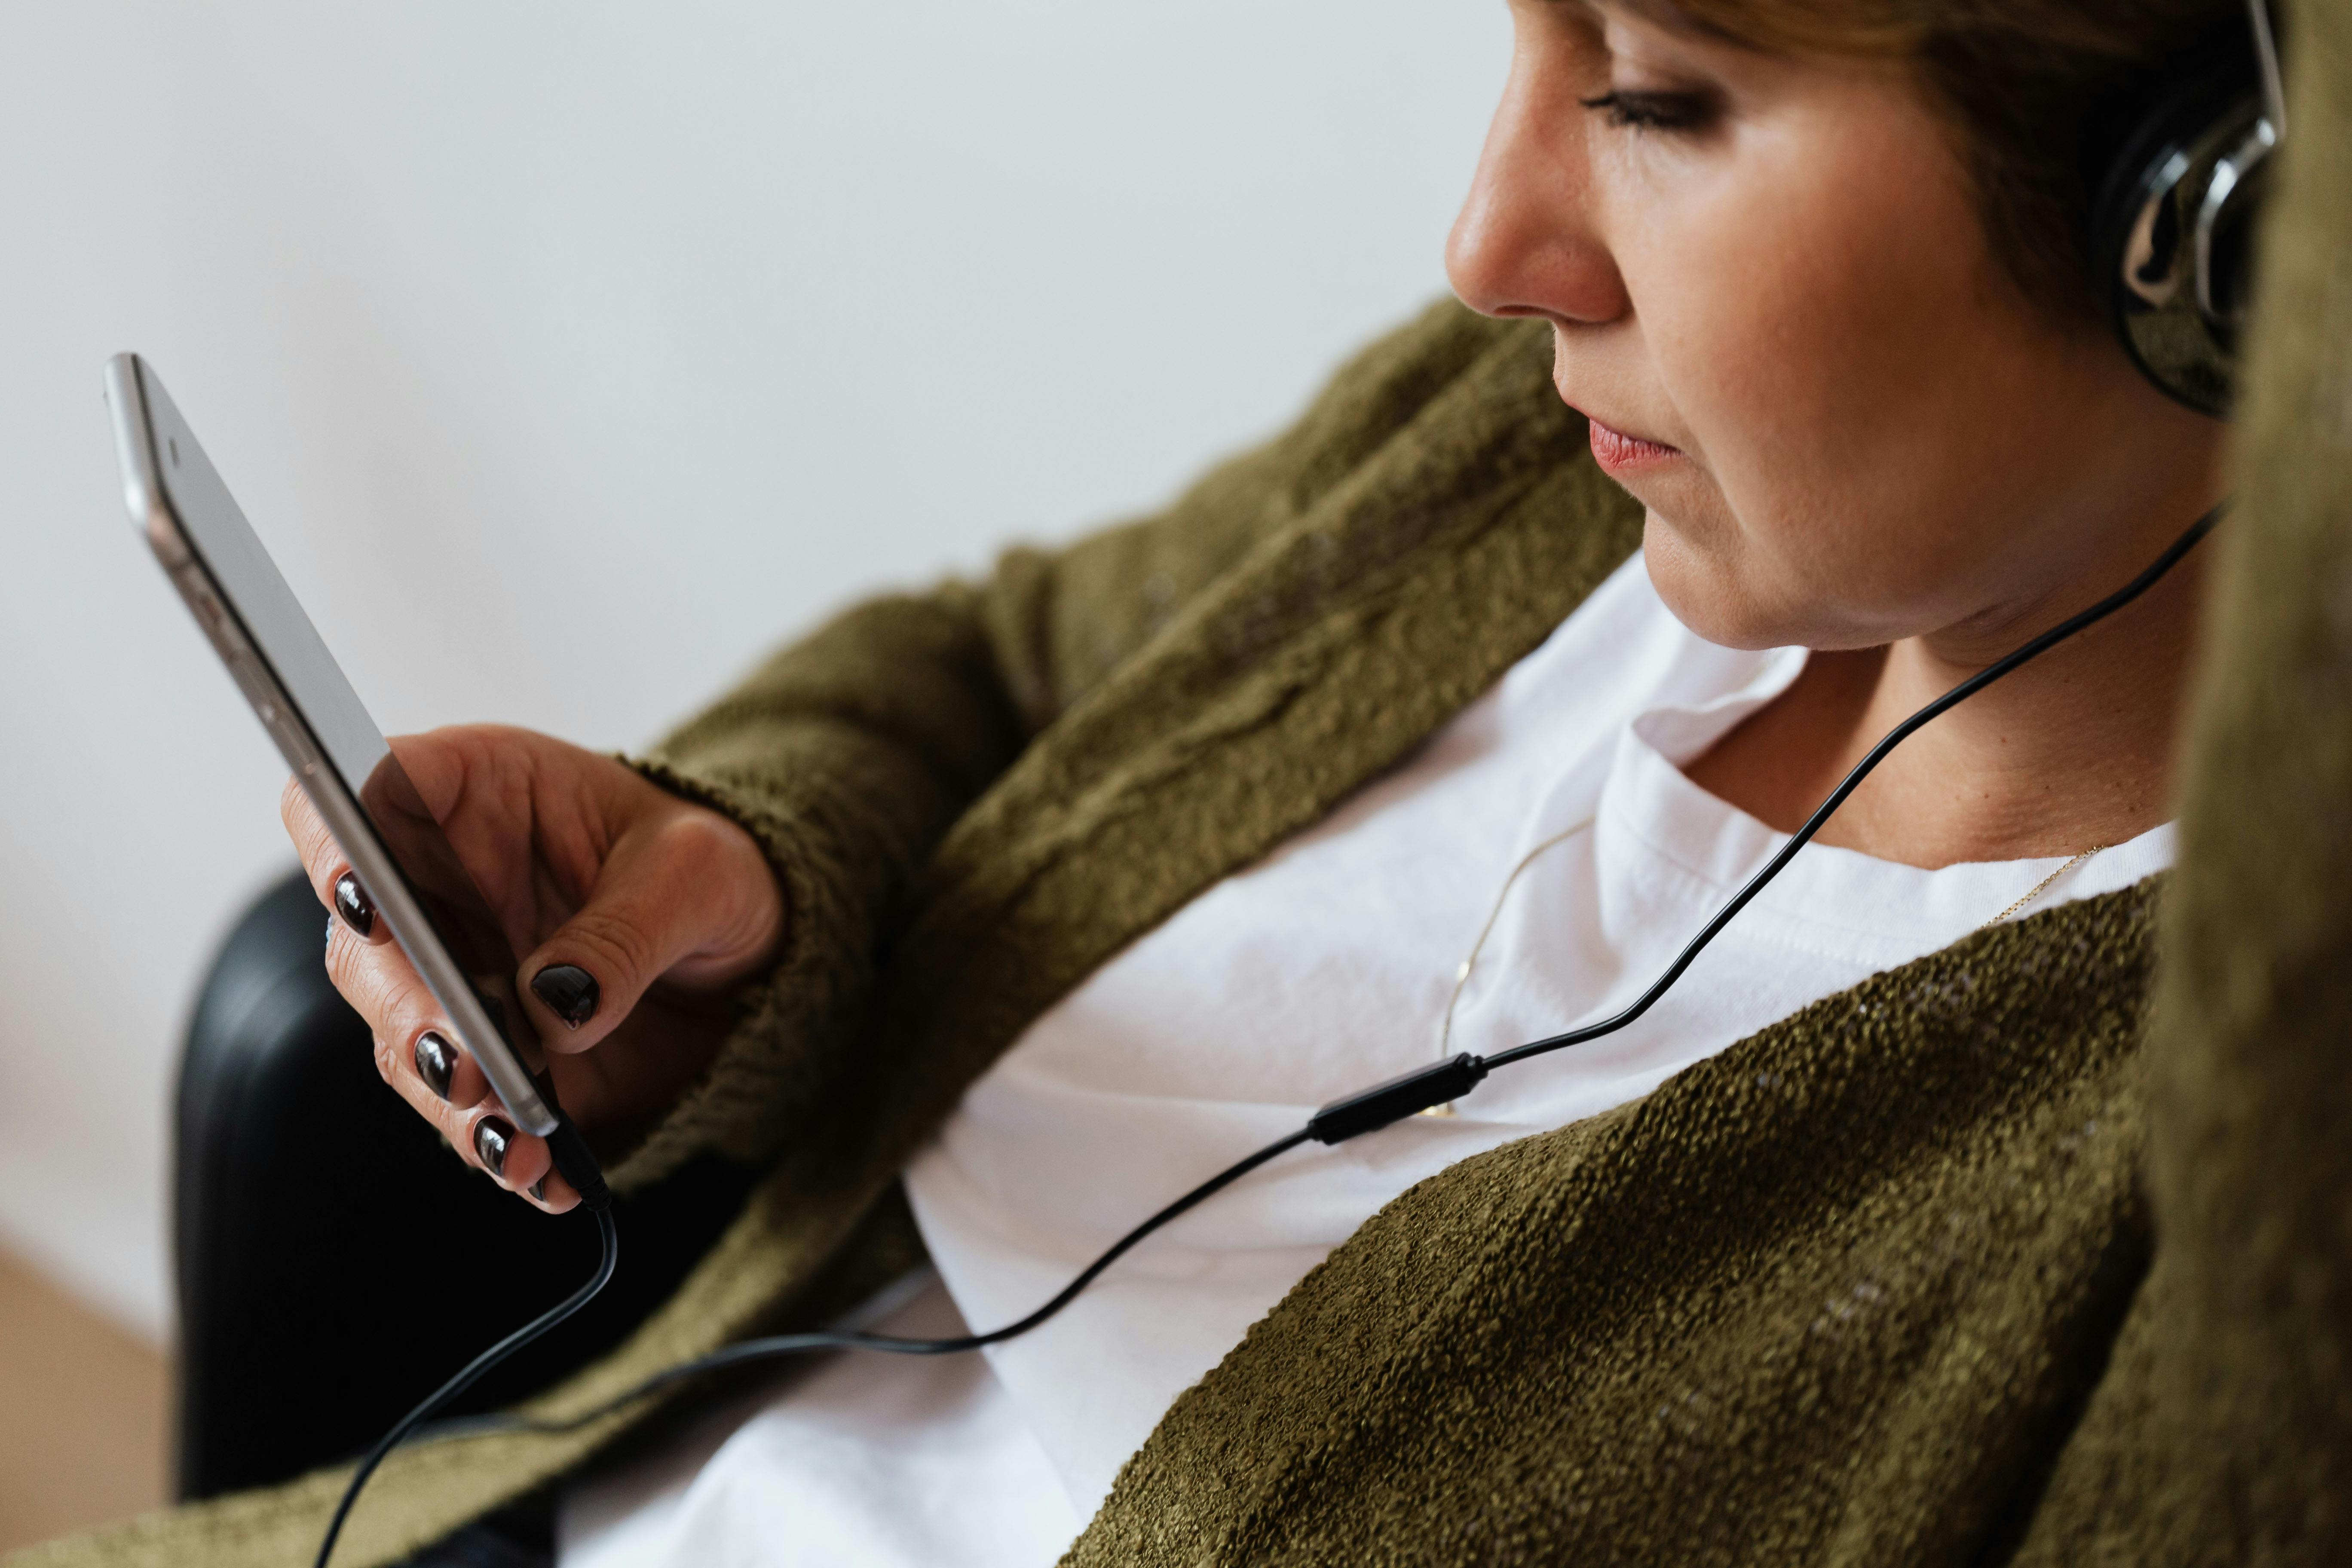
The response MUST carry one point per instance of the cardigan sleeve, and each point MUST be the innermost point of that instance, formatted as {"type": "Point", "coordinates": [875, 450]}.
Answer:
{"type": "Point", "coordinates": [2246, 1433]}
{"type": "Point", "coordinates": [2221, 1427]}
{"type": "Point", "coordinates": [850, 753]}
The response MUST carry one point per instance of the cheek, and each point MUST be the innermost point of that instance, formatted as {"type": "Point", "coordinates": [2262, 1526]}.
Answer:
{"type": "Point", "coordinates": [1818, 310]}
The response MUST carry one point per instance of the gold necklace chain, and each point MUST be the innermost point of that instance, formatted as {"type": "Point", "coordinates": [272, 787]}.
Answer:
{"type": "Point", "coordinates": [1470, 961]}
{"type": "Point", "coordinates": [1462, 975]}
{"type": "Point", "coordinates": [2041, 886]}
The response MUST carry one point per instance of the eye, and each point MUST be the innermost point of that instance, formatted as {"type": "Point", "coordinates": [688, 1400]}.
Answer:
{"type": "Point", "coordinates": [1653, 111]}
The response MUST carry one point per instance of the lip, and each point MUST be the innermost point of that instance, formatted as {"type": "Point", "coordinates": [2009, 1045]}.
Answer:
{"type": "Point", "coordinates": [1617, 452]}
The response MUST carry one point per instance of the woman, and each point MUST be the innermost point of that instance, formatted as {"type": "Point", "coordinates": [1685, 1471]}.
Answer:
{"type": "Point", "coordinates": [1039, 900]}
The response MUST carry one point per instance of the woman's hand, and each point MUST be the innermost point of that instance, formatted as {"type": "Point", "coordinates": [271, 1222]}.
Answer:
{"type": "Point", "coordinates": [636, 913]}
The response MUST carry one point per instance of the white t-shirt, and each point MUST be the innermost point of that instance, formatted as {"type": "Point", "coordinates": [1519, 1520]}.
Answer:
{"type": "Point", "coordinates": [1325, 967]}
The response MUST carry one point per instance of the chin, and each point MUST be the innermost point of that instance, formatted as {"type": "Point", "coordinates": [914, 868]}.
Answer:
{"type": "Point", "coordinates": [1707, 592]}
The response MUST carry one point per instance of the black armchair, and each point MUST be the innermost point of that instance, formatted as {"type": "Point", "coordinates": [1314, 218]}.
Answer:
{"type": "Point", "coordinates": [335, 1261]}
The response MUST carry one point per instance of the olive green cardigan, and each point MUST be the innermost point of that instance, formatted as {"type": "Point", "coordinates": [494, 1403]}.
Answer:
{"type": "Point", "coordinates": [1980, 1262]}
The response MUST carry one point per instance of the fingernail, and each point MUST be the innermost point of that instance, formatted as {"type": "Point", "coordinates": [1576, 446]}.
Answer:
{"type": "Point", "coordinates": [569, 992]}
{"type": "Point", "coordinates": [436, 1061]}
{"type": "Point", "coordinates": [330, 930]}
{"type": "Point", "coordinates": [491, 1139]}
{"type": "Point", "coordinates": [539, 1189]}
{"type": "Point", "coordinates": [352, 903]}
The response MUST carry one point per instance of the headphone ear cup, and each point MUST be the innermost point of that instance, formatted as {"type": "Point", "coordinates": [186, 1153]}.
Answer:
{"type": "Point", "coordinates": [2170, 236]}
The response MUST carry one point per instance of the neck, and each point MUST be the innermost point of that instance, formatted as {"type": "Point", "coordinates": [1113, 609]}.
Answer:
{"type": "Point", "coordinates": [2070, 752]}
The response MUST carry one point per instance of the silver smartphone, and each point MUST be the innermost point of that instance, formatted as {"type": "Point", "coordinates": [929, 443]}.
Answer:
{"type": "Point", "coordinates": [396, 848]}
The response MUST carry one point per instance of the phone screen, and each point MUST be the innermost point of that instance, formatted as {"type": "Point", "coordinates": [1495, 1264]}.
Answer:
{"type": "Point", "coordinates": [312, 684]}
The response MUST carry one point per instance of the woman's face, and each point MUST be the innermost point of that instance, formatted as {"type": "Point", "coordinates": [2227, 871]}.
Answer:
{"type": "Point", "coordinates": [1772, 291]}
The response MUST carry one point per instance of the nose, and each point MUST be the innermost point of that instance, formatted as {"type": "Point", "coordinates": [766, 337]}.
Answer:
{"type": "Point", "coordinates": [1525, 242]}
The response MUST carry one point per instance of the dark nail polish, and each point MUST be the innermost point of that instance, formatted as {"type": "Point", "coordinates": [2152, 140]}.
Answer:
{"type": "Point", "coordinates": [330, 930]}
{"type": "Point", "coordinates": [569, 992]}
{"type": "Point", "coordinates": [352, 903]}
{"type": "Point", "coordinates": [492, 1138]}
{"type": "Point", "coordinates": [539, 1189]}
{"type": "Point", "coordinates": [436, 1061]}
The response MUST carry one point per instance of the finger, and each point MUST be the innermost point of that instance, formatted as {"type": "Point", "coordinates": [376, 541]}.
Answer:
{"type": "Point", "coordinates": [417, 1053]}
{"type": "Point", "coordinates": [435, 1076]}
{"type": "Point", "coordinates": [332, 877]}
{"type": "Point", "coordinates": [688, 892]}
{"type": "Point", "coordinates": [509, 1156]}
{"type": "Point", "coordinates": [551, 1192]}
{"type": "Point", "coordinates": [380, 983]}
{"type": "Point", "coordinates": [435, 1061]}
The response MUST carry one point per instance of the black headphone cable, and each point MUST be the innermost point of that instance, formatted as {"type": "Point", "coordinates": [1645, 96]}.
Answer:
{"type": "Point", "coordinates": [1350, 1116]}
{"type": "Point", "coordinates": [609, 1257]}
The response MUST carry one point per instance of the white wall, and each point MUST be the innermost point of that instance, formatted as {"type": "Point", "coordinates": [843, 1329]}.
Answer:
{"type": "Point", "coordinates": [566, 354]}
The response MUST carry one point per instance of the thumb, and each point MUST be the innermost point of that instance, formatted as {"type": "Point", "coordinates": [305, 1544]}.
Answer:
{"type": "Point", "coordinates": [687, 896]}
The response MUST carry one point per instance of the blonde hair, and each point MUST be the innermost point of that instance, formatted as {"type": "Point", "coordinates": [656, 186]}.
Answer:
{"type": "Point", "coordinates": [2040, 94]}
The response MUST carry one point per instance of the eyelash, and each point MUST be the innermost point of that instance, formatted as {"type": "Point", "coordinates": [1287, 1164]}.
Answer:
{"type": "Point", "coordinates": [1652, 111]}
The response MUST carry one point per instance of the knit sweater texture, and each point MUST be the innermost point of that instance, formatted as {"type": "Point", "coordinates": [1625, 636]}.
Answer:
{"type": "Point", "coordinates": [2036, 1250]}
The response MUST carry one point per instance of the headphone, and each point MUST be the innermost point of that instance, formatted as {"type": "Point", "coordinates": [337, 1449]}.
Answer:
{"type": "Point", "coordinates": [2171, 228]}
